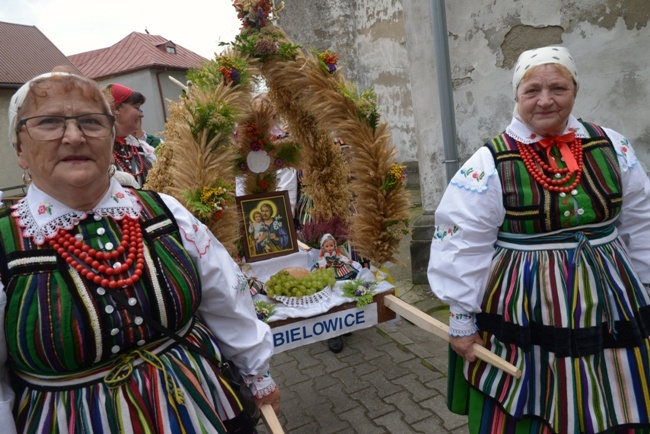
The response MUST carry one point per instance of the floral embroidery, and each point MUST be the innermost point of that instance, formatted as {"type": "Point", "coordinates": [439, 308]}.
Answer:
{"type": "Point", "coordinates": [117, 195]}
{"type": "Point", "coordinates": [471, 172]}
{"type": "Point", "coordinates": [440, 232]}
{"type": "Point", "coordinates": [45, 208]}
{"type": "Point", "coordinates": [459, 316]}
{"type": "Point", "coordinates": [197, 236]}
{"type": "Point", "coordinates": [242, 283]}
{"type": "Point", "coordinates": [625, 150]}
{"type": "Point", "coordinates": [473, 178]}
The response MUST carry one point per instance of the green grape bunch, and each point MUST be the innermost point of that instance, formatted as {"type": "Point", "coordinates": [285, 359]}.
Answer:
{"type": "Point", "coordinates": [283, 283]}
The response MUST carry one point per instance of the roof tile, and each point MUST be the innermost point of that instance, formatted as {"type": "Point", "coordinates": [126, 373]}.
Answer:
{"type": "Point", "coordinates": [134, 52]}
{"type": "Point", "coordinates": [25, 52]}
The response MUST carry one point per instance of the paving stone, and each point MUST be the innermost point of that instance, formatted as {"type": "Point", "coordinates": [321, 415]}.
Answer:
{"type": "Point", "coordinates": [305, 358]}
{"type": "Point", "coordinates": [410, 409]}
{"type": "Point", "coordinates": [398, 353]}
{"type": "Point", "coordinates": [369, 399]}
{"type": "Point", "coordinates": [330, 362]}
{"type": "Point", "coordinates": [327, 420]}
{"type": "Point", "coordinates": [418, 391]}
{"type": "Point", "coordinates": [390, 369]}
{"type": "Point", "coordinates": [307, 396]}
{"type": "Point", "coordinates": [383, 385]}
{"type": "Point", "coordinates": [424, 372]}
{"type": "Point", "coordinates": [350, 380]}
{"type": "Point", "coordinates": [360, 422]}
{"type": "Point", "coordinates": [340, 400]}
{"type": "Point", "coordinates": [394, 423]}
{"type": "Point", "coordinates": [429, 426]}
{"type": "Point", "coordinates": [290, 373]}
{"type": "Point", "coordinates": [325, 381]}
{"type": "Point", "coordinates": [438, 405]}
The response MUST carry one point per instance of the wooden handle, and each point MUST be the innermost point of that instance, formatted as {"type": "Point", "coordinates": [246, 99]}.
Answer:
{"type": "Point", "coordinates": [271, 420]}
{"type": "Point", "coordinates": [440, 329]}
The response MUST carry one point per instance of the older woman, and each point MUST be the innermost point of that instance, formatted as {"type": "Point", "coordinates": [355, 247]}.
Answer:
{"type": "Point", "coordinates": [130, 154]}
{"type": "Point", "coordinates": [93, 274]}
{"type": "Point", "coordinates": [542, 251]}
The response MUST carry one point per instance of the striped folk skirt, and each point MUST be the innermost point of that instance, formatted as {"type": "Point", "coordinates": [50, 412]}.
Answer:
{"type": "Point", "coordinates": [569, 311]}
{"type": "Point", "coordinates": [159, 388]}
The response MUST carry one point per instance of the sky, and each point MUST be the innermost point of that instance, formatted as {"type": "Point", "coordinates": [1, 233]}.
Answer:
{"type": "Point", "coordinates": [76, 26]}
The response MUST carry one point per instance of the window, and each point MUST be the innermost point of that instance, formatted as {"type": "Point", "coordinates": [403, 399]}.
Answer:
{"type": "Point", "coordinates": [171, 49]}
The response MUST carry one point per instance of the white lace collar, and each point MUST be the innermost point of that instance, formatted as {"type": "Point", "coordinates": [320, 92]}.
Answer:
{"type": "Point", "coordinates": [521, 133]}
{"type": "Point", "coordinates": [41, 216]}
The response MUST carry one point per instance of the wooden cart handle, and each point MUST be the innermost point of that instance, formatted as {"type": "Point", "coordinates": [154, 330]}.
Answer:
{"type": "Point", "coordinates": [271, 420]}
{"type": "Point", "coordinates": [440, 329]}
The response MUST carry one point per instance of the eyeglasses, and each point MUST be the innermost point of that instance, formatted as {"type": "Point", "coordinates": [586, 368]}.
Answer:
{"type": "Point", "coordinates": [49, 127]}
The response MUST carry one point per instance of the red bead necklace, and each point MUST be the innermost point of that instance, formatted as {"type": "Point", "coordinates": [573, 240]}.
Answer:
{"type": "Point", "coordinates": [95, 266]}
{"type": "Point", "coordinates": [121, 160]}
{"type": "Point", "coordinates": [536, 167]}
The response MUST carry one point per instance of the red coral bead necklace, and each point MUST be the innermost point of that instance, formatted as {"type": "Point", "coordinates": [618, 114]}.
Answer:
{"type": "Point", "coordinates": [122, 160]}
{"type": "Point", "coordinates": [95, 266]}
{"type": "Point", "coordinates": [537, 168]}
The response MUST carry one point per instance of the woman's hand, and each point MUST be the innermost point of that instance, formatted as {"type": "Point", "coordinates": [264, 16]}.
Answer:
{"type": "Point", "coordinates": [273, 399]}
{"type": "Point", "coordinates": [463, 345]}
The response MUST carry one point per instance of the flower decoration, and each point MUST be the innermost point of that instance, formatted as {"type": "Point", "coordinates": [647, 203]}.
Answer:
{"type": "Point", "coordinates": [265, 47]}
{"type": "Point", "coordinates": [361, 290]}
{"type": "Point", "coordinates": [209, 202]}
{"type": "Point", "coordinates": [229, 70]}
{"type": "Point", "coordinates": [366, 102]}
{"type": "Point", "coordinates": [255, 13]}
{"type": "Point", "coordinates": [312, 231]}
{"type": "Point", "coordinates": [396, 177]}
{"type": "Point", "coordinates": [264, 310]}
{"type": "Point", "coordinates": [328, 60]}
{"type": "Point", "coordinates": [230, 75]}
{"type": "Point", "coordinates": [263, 184]}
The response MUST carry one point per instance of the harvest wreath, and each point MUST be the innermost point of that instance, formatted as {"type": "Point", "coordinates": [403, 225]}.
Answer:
{"type": "Point", "coordinates": [318, 104]}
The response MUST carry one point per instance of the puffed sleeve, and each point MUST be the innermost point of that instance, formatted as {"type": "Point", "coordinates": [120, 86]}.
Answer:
{"type": "Point", "coordinates": [6, 392]}
{"type": "Point", "coordinates": [633, 222]}
{"type": "Point", "coordinates": [467, 222]}
{"type": "Point", "coordinates": [226, 304]}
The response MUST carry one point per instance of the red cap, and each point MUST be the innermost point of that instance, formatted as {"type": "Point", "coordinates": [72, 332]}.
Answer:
{"type": "Point", "coordinates": [120, 93]}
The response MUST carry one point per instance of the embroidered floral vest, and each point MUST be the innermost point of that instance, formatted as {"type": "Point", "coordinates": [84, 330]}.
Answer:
{"type": "Point", "coordinates": [56, 321]}
{"type": "Point", "coordinates": [531, 209]}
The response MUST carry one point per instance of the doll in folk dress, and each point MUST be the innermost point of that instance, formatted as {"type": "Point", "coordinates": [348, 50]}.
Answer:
{"type": "Point", "coordinates": [331, 257]}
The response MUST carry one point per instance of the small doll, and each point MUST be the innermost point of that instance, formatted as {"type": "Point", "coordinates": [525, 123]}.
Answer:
{"type": "Point", "coordinates": [331, 257]}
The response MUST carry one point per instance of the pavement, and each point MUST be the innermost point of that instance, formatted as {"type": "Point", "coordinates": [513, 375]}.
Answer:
{"type": "Point", "coordinates": [390, 378]}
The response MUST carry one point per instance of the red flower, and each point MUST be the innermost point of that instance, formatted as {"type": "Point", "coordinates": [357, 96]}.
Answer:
{"type": "Point", "coordinates": [119, 195]}
{"type": "Point", "coordinates": [41, 209]}
{"type": "Point", "coordinates": [263, 184]}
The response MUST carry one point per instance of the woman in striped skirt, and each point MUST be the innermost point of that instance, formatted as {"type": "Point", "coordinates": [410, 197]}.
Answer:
{"type": "Point", "coordinates": [542, 250]}
{"type": "Point", "coordinates": [91, 276]}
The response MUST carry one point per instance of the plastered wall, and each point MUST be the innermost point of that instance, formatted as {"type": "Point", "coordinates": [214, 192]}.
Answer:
{"type": "Point", "coordinates": [388, 44]}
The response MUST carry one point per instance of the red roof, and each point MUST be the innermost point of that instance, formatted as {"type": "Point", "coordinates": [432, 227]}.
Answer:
{"type": "Point", "coordinates": [25, 52]}
{"type": "Point", "coordinates": [136, 51]}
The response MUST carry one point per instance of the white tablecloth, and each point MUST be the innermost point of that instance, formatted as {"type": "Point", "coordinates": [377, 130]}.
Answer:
{"type": "Point", "coordinates": [263, 270]}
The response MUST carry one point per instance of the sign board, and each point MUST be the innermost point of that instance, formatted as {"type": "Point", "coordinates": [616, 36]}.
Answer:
{"type": "Point", "coordinates": [318, 328]}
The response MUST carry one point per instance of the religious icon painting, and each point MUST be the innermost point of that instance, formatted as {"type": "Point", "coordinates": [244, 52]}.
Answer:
{"type": "Point", "coordinates": [267, 225]}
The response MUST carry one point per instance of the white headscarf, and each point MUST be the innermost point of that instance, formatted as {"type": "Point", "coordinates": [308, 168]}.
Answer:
{"type": "Point", "coordinates": [541, 56]}
{"type": "Point", "coordinates": [18, 99]}
{"type": "Point", "coordinates": [325, 238]}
